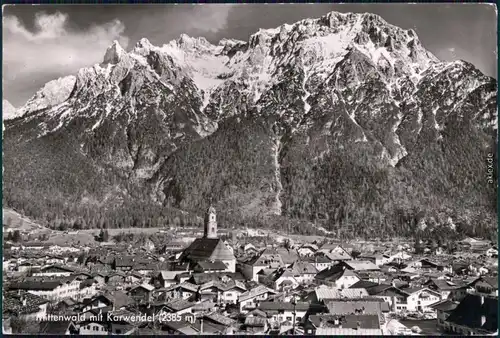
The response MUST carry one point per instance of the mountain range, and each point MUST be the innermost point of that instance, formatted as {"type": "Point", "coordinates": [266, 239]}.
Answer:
{"type": "Point", "coordinates": [343, 123]}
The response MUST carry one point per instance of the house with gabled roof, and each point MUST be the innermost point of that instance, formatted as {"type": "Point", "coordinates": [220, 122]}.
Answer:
{"type": "Point", "coordinates": [178, 306]}
{"type": "Point", "coordinates": [134, 277]}
{"type": "Point", "coordinates": [58, 328]}
{"type": "Point", "coordinates": [115, 300]}
{"type": "Point", "coordinates": [250, 267]}
{"type": "Point", "coordinates": [399, 257]}
{"type": "Point", "coordinates": [354, 322]}
{"type": "Point", "coordinates": [142, 292]}
{"type": "Point", "coordinates": [394, 297]}
{"type": "Point", "coordinates": [320, 261]}
{"type": "Point", "coordinates": [67, 305]}
{"type": "Point", "coordinates": [475, 315]}
{"type": "Point", "coordinates": [288, 256]}
{"type": "Point", "coordinates": [173, 246]}
{"type": "Point", "coordinates": [377, 259]}
{"type": "Point", "coordinates": [88, 288]}
{"type": "Point", "coordinates": [148, 268]}
{"type": "Point", "coordinates": [55, 288]}
{"type": "Point", "coordinates": [165, 278]}
{"type": "Point", "coordinates": [182, 327]}
{"type": "Point", "coordinates": [338, 276]}
{"type": "Point", "coordinates": [208, 291]}
{"type": "Point", "coordinates": [24, 305]}
{"type": "Point", "coordinates": [116, 278]}
{"type": "Point", "coordinates": [307, 249]}
{"type": "Point", "coordinates": [359, 265]}
{"type": "Point", "coordinates": [443, 309]}
{"type": "Point", "coordinates": [249, 248]}
{"type": "Point", "coordinates": [54, 270]}
{"type": "Point", "coordinates": [487, 285]}
{"type": "Point", "coordinates": [224, 323]}
{"type": "Point", "coordinates": [201, 278]}
{"type": "Point", "coordinates": [281, 279]}
{"type": "Point", "coordinates": [231, 291]}
{"type": "Point", "coordinates": [93, 327]}
{"type": "Point", "coordinates": [447, 288]}
{"type": "Point", "coordinates": [428, 264]}
{"type": "Point", "coordinates": [304, 271]}
{"type": "Point", "coordinates": [184, 290]}
{"type": "Point", "coordinates": [420, 299]}
{"type": "Point", "coordinates": [366, 306]}
{"type": "Point", "coordinates": [256, 325]}
{"type": "Point", "coordinates": [323, 293]}
{"type": "Point", "coordinates": [209, 266]}
{"type": "Point", "coordinates": [284, 311]}
{"type": "Point", "coordinates": [124, 263]}
{"type": "Point", "coordinates": [100, 277]}
{"type": "Point", "coordinates": [249, 300]}
{"type": "Point", "coordinates": [56, 260]}
{"type": "Point", "coordinates": [334, 248]}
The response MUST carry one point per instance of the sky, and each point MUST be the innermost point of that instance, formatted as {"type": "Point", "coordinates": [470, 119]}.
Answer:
{"type": "Point", "coordinates": [44, 42]}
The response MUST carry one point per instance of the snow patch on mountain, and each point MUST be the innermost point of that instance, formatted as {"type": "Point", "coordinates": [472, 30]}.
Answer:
{"type": "Point", "coordinates": [9, 112]}
{"type": "Point", "coordinates": [202, 61]}
{"type": "Point", "coordinates": [53, 93]}
{"type": "Point", "coordinates": [277, 173]}
{"type": "Point", "coordinates": [401, 150]}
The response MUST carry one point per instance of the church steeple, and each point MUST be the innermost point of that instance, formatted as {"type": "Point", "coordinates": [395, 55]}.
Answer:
{"type": "Point", "coordinates": [210, 230]}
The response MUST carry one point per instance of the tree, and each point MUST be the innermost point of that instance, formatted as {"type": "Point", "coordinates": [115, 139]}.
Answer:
{"type": "Point", "coordinates": [9, 236]}
{"type": "Point", "coordinates": [82, 259]}
{"type": "Point", "coordinates": [419, 249]}
{"type": "Point", "coordinates": [287, 244]}
{"type": "Point", "coordinates": [16, 236]}
{"type": "Point", "coordinates": [103, 235]}
{"type": "Point", "coordinates": [355, 254]}
{"type": "Point", "coordinates": [43, 237]}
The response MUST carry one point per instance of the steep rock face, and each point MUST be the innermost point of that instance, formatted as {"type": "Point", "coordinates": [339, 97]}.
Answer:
{"type": "Point", "coordinates": [8, 110]}
{"type": "Point", "coordinates": [291, 122]}
{"type": "Point", "coordinates": [52, 94]}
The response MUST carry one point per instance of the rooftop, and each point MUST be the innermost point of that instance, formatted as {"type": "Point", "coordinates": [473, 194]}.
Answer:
{"type": "Point", "coordinates": [179, 304]}
{"type": "Point", "coordinates": [472, 309]}
{"type": "Point", "coordinates": [285, 306]}
{"type": "Point", "coordinates": [207, 249]}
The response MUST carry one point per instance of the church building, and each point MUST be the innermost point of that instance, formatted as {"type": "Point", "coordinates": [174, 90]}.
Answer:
{"type": "Point", "coordinates": [209, 248]}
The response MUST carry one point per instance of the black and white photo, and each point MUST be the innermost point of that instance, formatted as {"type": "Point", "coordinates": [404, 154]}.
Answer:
{"type": "Point", "coordinates": [250, 169]}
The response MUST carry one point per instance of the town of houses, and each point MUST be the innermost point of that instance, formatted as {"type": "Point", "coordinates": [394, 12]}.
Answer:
{"type": "Point", "coordinates": [245, 285]}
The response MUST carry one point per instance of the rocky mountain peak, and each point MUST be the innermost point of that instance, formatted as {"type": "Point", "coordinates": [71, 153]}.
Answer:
{"type": "Point", "coordinates": [230, 43]}
{"type": "Point", "coordinates": [114, 53]}
{"type": "Point", "coordinates": [144, 43]}
{"type": "Point", "coordinates": [143, 47]}
{"type": "Point", "coordinates": [8, 110]}
{"type": "Point", "coordinates": [187, 42]}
